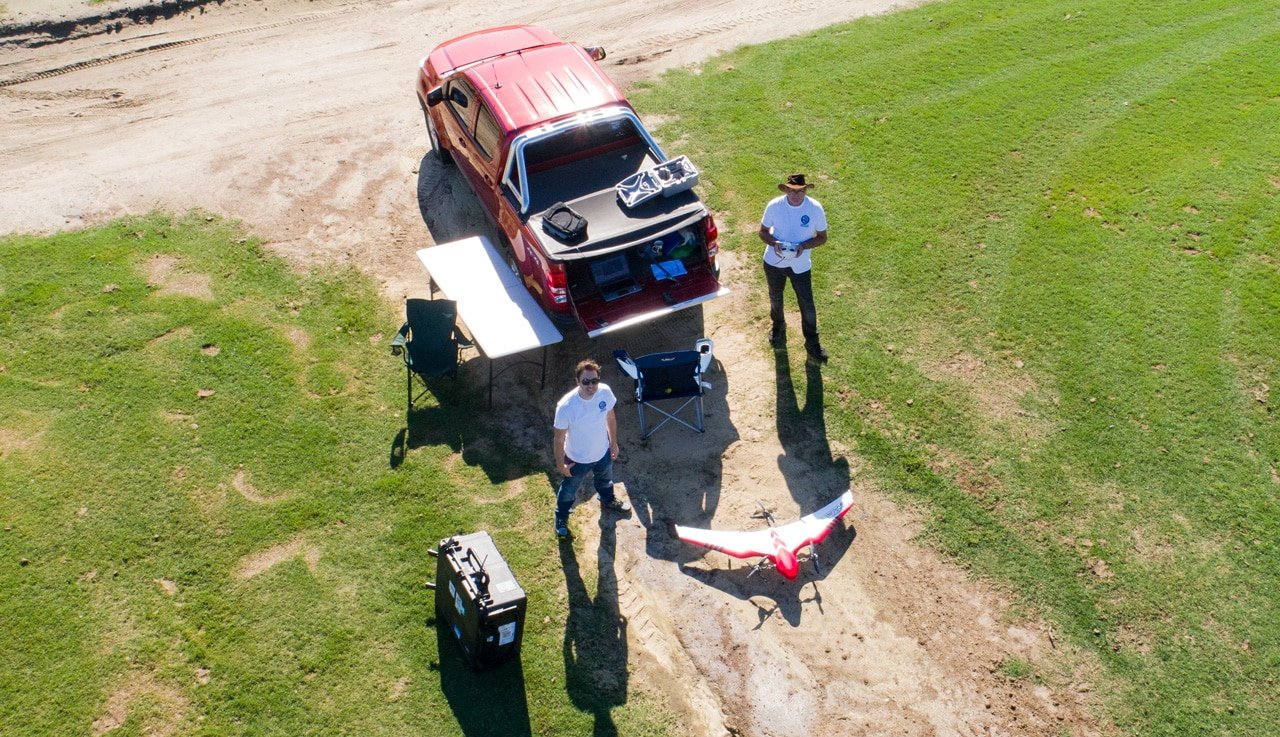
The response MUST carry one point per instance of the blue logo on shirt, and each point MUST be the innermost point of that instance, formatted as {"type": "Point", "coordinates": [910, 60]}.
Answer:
{"type": "Point", "coordinates": [804, 220]}
{"type": "Point", "coordinates": [602, 405]}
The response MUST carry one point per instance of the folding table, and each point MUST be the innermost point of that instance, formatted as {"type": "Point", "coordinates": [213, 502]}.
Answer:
{"type": "Point", "coordinates": [501, 315]}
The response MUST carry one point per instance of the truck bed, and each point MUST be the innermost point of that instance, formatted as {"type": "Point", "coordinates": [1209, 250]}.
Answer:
{"type": "Point", "coordinates": [587, 186]}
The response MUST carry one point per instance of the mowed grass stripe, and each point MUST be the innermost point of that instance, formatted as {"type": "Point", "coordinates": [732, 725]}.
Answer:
{"type": "Point", "coordinates": [1078, 203]}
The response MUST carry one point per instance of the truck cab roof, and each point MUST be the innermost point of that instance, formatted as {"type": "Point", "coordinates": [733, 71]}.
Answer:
{"type": "Point", "coordinates": [528, 75]}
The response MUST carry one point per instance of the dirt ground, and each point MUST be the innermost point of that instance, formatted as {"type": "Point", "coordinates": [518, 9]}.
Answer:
{"type": "Point", "coordinates": [299, 119]}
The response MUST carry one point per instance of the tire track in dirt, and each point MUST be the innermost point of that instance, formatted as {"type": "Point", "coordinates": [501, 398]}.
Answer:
{"type": "Point", "coordinates": [717, 24]}
{"type": "Point", "coordinates": [654, 631]}
{"type": "Point", "coordinates": [169, 45]}
{"type": "Point", "coordinates": [823, 655]}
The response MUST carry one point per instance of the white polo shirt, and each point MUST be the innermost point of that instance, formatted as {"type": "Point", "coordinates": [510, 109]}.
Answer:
{"type": "Point", "coordinates": [586, 420]}
{"type": "Point", "coordinates": [793, 224]}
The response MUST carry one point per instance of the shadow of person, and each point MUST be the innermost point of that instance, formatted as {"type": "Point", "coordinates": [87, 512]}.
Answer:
{"type": "Point", "coordinates": [487, 703]}
{"type": "Point", "coordinates": [812, 475]}
{"type": "Point", "coordinates": [595, 636]}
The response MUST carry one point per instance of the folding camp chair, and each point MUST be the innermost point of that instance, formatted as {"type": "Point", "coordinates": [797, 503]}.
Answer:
{"type": "Point", "coordinates": [668, 376]}
{"type": "Point", "coordinates": [429, 341]}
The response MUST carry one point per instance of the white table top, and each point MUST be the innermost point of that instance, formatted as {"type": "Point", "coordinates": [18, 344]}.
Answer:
{"type": "Point", "coordinates": [498, 311]}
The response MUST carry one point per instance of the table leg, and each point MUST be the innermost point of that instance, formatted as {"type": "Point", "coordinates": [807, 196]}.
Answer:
{"type": "Point", "coordinates": [490, 383]}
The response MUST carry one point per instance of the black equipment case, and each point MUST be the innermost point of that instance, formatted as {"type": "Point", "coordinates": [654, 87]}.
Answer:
{"type": "Point", "coordinates": [479, 600]}
{"type": "Point", "coordinates": [564, 222]}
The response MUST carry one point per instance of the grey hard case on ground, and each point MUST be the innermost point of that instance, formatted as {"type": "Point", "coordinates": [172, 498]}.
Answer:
{"type": "Point", "coordinates": [479, 600]}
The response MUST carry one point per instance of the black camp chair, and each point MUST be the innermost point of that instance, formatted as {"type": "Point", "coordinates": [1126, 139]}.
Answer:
{"type": "Point", "coordinates": [429, 341]}
{"type": "Point", "coordinates": [668, 376]}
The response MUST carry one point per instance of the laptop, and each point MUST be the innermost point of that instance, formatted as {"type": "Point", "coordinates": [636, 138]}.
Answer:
{"type": "Point", "coordinates": [613, 277]}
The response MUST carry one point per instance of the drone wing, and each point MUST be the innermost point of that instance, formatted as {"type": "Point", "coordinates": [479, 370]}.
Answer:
{"type": "Point", "coordinates": [754, 544]}
{"type": "Point", "coordinates": [812, 528]}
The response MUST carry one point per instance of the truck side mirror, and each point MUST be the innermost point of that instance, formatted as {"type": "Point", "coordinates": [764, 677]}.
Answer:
{"type": "Point", "coordinates": [458, 97]}
{"type": "Point", "coordinates": [435, 96]}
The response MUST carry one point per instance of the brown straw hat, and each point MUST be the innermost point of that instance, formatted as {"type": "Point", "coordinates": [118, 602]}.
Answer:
{"type": "Point", "coordinates": [795, 183]}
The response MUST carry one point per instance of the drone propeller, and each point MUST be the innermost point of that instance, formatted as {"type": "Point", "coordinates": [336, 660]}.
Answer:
{"type": "Point", "coordinates": [763, 514]}
{"type": "Point", "coordinates": [811, 556]}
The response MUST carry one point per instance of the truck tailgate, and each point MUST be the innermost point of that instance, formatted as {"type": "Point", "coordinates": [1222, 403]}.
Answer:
{"type": "Point", "coordinates": [655, 299]}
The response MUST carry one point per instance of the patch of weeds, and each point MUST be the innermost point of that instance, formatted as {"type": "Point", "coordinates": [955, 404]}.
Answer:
{"type": "Point", "coordinates": [1016, 669]}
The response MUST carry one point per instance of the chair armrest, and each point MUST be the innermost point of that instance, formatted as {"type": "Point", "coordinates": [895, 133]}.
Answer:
{"type": "Point", "coordinates": [463, 341]}
{"type": "Point", "coordinates": [626, 363]}
{"type": "Point", "coordinates": [398, 342]}
{"type": "Point", "coordinates": [704, 347]}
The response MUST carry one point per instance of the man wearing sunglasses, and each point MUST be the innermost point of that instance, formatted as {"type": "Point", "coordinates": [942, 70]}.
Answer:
{"type": "Point", "coordinates": [586, 441]}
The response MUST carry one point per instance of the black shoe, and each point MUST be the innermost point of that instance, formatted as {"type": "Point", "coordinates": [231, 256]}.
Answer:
{"type": "Point", "coordinates": [616, 505]}
{"type": "Point", "coordinates": [817, 353]}
{"type": "Point", "coordinates": [778, 338]}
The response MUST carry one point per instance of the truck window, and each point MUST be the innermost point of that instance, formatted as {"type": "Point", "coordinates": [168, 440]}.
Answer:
{"type": "Point", "coordinates": [462, 102]}
{"type": "Point", "coordinates": [512, 183]}
{"type": "Point", "coordinates": [488, 135]}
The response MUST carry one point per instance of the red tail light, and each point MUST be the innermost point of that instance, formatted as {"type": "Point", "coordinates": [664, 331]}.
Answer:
{"type": "Point", "coordinates": [557, 283]}
{"type": "Point", "coordinates": [712, 234]}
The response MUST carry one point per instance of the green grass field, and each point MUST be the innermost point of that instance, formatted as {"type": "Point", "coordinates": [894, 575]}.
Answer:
{"type": "Point", "coordinates": [1052, 296]}
{"type": "Point", "coordinates": [1054, 289]}
{"type": "Point", "coordinates": [165, 436]}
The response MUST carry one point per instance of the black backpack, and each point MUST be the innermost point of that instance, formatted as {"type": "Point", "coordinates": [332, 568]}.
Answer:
{"type": "Point", "coordinates": [561, 221]}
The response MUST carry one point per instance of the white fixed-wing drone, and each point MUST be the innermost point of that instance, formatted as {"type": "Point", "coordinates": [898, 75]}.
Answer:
{"type": "Point", "coordinates": [779, 546]}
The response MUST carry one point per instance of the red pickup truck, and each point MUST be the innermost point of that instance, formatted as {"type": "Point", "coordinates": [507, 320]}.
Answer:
{"type": "Point", "coordinates": [546, 139]}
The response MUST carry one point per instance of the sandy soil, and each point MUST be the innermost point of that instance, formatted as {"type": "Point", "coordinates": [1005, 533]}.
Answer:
{"type": "Point", "coordinates": [299, 119]}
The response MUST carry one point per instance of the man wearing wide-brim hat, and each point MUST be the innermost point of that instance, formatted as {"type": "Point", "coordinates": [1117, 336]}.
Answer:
{"type": "Point", "coordinates": [793, 225]}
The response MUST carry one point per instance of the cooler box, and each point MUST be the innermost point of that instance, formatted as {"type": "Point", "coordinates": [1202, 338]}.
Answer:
{"type": "Point", "coordinates": [479, 600]}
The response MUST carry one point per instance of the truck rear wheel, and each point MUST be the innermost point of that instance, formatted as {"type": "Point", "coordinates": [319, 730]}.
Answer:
{"type": "Point", "coordinates": [508, 253]}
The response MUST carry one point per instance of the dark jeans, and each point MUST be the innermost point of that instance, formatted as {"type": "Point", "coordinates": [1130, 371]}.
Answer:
{"type": "Point", "coordinates": [777, 278]}
{"type": "Point", "coordinates": [602, 470]}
